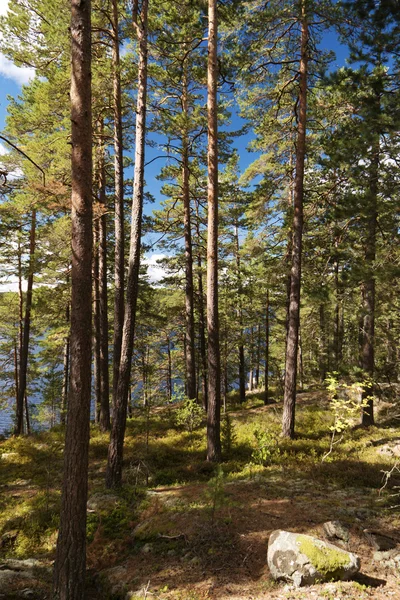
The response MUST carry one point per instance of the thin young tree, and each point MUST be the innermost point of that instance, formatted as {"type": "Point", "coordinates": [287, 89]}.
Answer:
{"type": "Point", "coordinates": [115, 451]}
{"type": "Point", "coordinates": [70, 562]}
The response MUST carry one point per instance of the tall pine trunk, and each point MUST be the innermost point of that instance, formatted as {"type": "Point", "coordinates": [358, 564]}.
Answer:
{"type": "Point", "coordinates": [70, 562]}
{"type": "Point", "coordinates": [368, 290]}
{"type": "Point", "coordinates": [189, 295]}
{"type": "Point", "coordinates": [23, 363]}
{"type": "Point", "coordinates": [119, 266]}
{"type": "Point", "coordinates": [104, 399]}
{"type": "Point", "coordinates": [115, 451]}
{"type": "Point", "coordinates": [266, 370]}
{"type": "Point", "coordinates": [242, 368]}
{"type": "Point", "coordinates": [289, 399]}
{"type": "Point", "coordinates": [214, 391]}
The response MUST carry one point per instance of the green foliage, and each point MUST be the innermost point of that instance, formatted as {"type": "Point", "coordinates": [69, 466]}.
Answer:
{"type": "Point", "coordinates": [189, 415]}
{"type": "Point", "coordinates": [345, 401]}
{"type": "Point", "coordinates": [228, 434]}
{"type": "Point", "coordinates": [266, 449]}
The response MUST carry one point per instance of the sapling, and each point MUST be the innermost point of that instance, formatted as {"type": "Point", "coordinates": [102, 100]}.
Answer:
{"type": "Point", "coordinates": [346, 401]}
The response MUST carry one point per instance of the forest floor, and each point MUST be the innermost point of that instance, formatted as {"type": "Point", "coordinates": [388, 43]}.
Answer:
{"type": "Point", "coordinates": [182, 529]}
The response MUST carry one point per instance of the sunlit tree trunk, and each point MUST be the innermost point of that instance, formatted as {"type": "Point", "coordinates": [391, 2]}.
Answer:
{"type": "Point", "coordinates": [70, 562]}
{"type": "Point", "coordinates": [119, 266]}
{"type": "Point", "coordinates": [214, 391]}
{"type": "Point", "coordinates": [115, 451]}
{"type": "Point", "coordinates": [289, 400]}
{"type": "Point", "coordinates": [23, 365]}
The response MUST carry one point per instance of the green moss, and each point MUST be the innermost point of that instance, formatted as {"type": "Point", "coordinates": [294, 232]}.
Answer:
{"type": "Point", "coordinates": [327, 561]}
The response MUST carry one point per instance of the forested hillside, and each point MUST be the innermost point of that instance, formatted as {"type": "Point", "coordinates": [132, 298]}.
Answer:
{"type": "Point", "coordinates": [222, 137]}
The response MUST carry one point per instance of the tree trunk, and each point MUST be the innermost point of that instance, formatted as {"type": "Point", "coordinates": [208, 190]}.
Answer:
{"type": "Point", "coordinates": [169, 369]}
{"type": "Point", "coordinates": [242, 368]}
{"type": "Point", "coordinates": [258, 353]}
{"type": "Point", "coordinates": [289, 399]}
{"type": "Point", "coordinates": [189, 312]}
{"type": "Point", "coordinates": [70, 562]}
{"type": "Point", "coordinates": [65, 373]}
{"type": "Point", "coordinates": [266, 392]}
{"type": "Point", "coordinates": [115, 452]}
{"type": "Point", "coordinates": [368, 291]}
{"type": "Point", "coordinates": [104, 400]}
{"type": "Point", "coordinates": [119, 266]}
{"type": "Point", "coordinates": [23, 365]}
{"type": "Point", "coordinates": [96, 322]}
{"type": "Point", "coordinates": [202, 333]}
{"type": "Point", "coordinates": [214, 391]}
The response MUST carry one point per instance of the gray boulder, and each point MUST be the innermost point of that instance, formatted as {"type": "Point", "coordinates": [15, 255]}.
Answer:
{"type": "Point", "coordinates": [305, 560]}
{"type": "Point", "coordinates": [336, 531]}
{"type": "Point", "coordinates": [99, 502]}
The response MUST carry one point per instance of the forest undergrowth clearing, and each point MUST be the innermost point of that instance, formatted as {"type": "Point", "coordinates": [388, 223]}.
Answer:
{"type": "Point", "coordinates": [197, 532]}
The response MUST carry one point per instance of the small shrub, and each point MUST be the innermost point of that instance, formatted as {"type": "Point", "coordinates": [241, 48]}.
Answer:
{"type": "Point", "coordinates": [266, 448]}
{"type": "Point", "coordinates": [189, 415]}
{"type": "Point", "coordinates": [228, 434]}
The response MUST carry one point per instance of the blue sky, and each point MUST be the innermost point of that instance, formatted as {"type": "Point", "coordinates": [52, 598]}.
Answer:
{"type": "Point", "coordinates": [13, 77]}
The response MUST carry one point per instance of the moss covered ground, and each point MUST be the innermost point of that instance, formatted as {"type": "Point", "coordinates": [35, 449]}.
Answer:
{"type": "Point", "coordinates": [189, 530]}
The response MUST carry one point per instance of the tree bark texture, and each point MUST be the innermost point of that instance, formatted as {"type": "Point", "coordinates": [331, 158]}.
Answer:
{"type": "Point", "coordinates": [266, 371]}
{"type": "Point", "coordinates": [70, 562]}
{"type": "Point", "coordinates": [189, 294]}
{"type": "Point", "coordinates": [214, 391]}
{"type": "Point", "coordinates": [368, 290]}
{"type": "Point", "coordinates": [115, 452]}
{"type": "Point", "coordinates": [23, 363]}
{"type": "Point", "coordinates": [104, 399]}
{"type": "Point", "coordinates": [119, 266]}
{"type": "Point", "coordinates": [289, 399]}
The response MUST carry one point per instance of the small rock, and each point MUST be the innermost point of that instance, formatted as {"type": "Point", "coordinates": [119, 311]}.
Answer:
{"type": "Point", "coordinates": [335, 530]}
{"type": "Point", "coordinates": [195, 561]}
{"type": "Point", "coordinates": [147, 548]}
{"type": "Point", "coordinates": [379, 540]}
{"type": "Point", "coordinates": [388, 558]}
{"type": "Point", "coordinates": [304, 560]}
{"type": "Point", "coordinates": [27, 593]}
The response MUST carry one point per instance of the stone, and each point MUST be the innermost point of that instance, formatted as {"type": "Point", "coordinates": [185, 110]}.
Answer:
{"type": "Point", "coordinates": [114, 579]}
{"type": "Point", "coordinates": [99, 502]}
{"type": "Point", "coordinates": [147, 548]}
{"type": "Point", "coordinates": [335, 530]}
{"type": "Point", "coordinates": [379, 540]}
{"type": "Point", "coordinates": [305, 560]}
{"type": "Point", "coordinates": [388, 558]}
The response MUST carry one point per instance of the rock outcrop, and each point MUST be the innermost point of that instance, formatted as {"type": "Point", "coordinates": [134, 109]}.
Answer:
{"type": "Point", "coordinates": [305, 560]}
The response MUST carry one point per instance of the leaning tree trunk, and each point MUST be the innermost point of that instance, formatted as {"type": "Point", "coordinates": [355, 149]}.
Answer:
{"type": "Point", "coordinates": [119, 266]}
{"type": "Point", "coordinates": [214, 391]}
{"type": "Point", "coordinates": [70, 562]}
{"type": "Point", "coordinates": [189, 294]}
{"type": "Point", "coordinates": [23, 364]}
{"type": "Point", "coordinates": [368, 291]}
{"type": "Point", "coordinates": [115, 451]}
{"type": "Point", "coordinates": [289, 399]}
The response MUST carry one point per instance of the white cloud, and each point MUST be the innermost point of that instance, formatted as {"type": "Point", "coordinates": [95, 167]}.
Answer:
{"type": "Point", "coordinates": [3, 150]}
{"type": "Point", "coordinates": [20, 75]}
{"type": "Point", "coordinates": [155, 271]}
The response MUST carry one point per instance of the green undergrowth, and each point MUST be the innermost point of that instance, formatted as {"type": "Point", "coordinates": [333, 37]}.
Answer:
{"type": "Point", "coordinates": [161, 455]}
